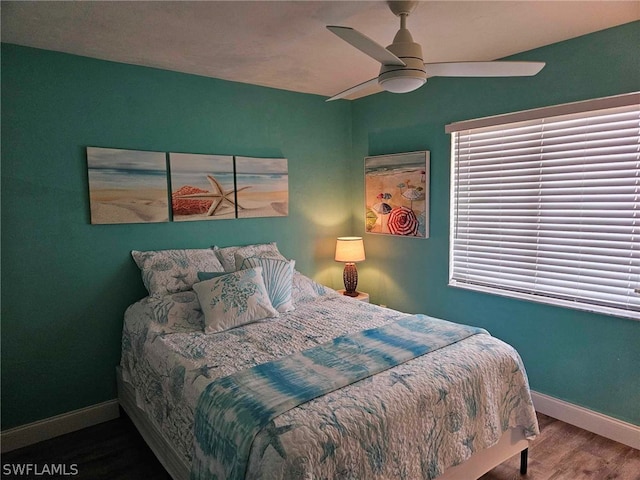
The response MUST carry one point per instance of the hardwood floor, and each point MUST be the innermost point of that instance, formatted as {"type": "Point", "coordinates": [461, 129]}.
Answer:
{"type": "Point", "coordinates": [115, 450]}
{"type": "Point", "coordinates": [565, 452]}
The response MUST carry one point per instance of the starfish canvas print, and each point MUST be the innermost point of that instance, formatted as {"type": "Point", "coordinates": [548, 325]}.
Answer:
{"type": "Point", "coordinates": [127, 186]}
{"type": "Point", "coordinates": [202, 187]}
{"type": "Point", "coordinates": [262, 187]}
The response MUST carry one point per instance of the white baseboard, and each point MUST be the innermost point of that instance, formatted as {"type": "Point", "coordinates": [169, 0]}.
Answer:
{"type": "Point", "coordinates": [588, 420]}
{"type": "Point", "coordinates": [59, 425]}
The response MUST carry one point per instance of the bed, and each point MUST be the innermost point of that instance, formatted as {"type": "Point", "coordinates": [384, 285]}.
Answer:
{"type": "Point", "coordinates": [455, 411]}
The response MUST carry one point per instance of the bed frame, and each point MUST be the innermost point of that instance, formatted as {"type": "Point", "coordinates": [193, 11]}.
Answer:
{"type": "Point", "coordinates": [511, 443]}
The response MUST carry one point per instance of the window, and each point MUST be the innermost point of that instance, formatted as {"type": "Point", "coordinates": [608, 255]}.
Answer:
{"type": "Point", "coordinates": [545, 205]}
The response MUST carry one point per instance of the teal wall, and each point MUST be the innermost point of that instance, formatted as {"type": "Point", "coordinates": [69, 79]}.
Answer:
{"type": "Point", "coordinates": [66, 283]}
{"type": "Point", "coordinates": [587, 359]}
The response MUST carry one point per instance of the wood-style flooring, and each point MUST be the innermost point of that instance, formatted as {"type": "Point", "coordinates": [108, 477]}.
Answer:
{"type": "Point", "coordinates": [115, 450]}
{"type": "Point", "coordinates": [565, 452]}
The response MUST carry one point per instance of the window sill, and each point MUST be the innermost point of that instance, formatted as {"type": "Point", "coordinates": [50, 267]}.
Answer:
{"type": "Point", "coordinates": [616, 312]}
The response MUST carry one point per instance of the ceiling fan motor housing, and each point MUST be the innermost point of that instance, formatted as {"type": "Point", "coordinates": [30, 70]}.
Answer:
{"type": "Point", "coordinates": [402, 79]}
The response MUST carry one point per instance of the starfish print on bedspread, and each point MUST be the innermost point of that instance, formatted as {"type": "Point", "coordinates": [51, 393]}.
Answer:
{"type": "Point", "coordinates": [468, 442]}
{"type": "Point", "coordinates": [328, 450]}
{"type": "Point", "coordinates": [273, 438]}
{"type": "Point", "coordinates": [331, 420]}
{"type": "Point", "coordinates": [400, 378]}
{"type": "Point", "coordinates": [220, 196]}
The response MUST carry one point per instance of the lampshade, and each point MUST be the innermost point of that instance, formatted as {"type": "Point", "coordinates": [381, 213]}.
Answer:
{"type": "Point", "coordinates": [349, 249]}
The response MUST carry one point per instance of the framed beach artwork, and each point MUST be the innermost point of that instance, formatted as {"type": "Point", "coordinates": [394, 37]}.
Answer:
{"type": "Point", "coordinates": [397, 194]}
{"type": "Point", "coordinates": [127, 186]}
{"type": "Point", "coordinates": [202, 187]}
{"type": "Point", "coordinates": [262, 186]}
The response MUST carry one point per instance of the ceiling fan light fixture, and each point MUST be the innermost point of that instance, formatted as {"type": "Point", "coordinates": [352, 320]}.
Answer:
{"type": "Point", "coordinates": [402, 84]}
{"type": "Point", "coordinates": [397, 79]}
{"type": "Point", "coordinates": [402, 81]}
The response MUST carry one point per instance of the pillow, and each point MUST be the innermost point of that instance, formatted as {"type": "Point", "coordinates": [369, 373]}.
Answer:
{"type": "Point", "coordinates": [241, 256]}
{"type": "Point", "coordinates": [202, 276]}
{"type": "Point", "coordinates": [278, 278]}
{"type": "Point", "coordinates": [305, 290]}
{"type": "Point", "coordinates": [178, 312]}
{"type": "Point", "coordinates": [226, 255]}
{"type": "Point", "coordinates": [171, 271]}
{"type": "Point", "coordinates": [234, 299]}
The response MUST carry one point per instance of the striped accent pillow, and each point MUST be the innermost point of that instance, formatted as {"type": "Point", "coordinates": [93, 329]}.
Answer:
{"type": "Point", "coordinates": [278, 278]}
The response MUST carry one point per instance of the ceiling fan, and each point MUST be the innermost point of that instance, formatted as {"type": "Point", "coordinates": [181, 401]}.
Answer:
{"type": "Point", "coordinates": [402, 67]}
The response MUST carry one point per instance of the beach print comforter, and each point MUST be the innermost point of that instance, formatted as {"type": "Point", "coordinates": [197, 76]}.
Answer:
{"type": "Point", "coordinates": [411, 421]}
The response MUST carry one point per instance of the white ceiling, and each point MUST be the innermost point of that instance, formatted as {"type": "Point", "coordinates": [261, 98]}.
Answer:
{"type": "Point", "coordinates": [284, 44]}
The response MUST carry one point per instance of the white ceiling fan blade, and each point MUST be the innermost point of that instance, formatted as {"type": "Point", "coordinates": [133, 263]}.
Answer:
{"type": "Point", "coordinates": [366, 45]}
{"type": "Point", "coordinates": [349, 91]}
{"type": "Point", "coordinates": [483, 69]}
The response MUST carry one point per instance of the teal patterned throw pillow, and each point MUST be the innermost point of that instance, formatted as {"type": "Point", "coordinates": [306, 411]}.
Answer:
{"type": "Point", "coordinates": [233, 300]}
{"type": "Point", "coordinates": [278, 278]}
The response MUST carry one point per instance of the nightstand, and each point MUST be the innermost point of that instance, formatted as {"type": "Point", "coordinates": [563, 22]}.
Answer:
{"type": "Point", "coordinates": [362, 296]}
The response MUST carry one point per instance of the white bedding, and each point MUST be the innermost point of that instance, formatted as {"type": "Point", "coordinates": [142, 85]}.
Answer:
{"type": "Point", "coordinates": [411, 421]}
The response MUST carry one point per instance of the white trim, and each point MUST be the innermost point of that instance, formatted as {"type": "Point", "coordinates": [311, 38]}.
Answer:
{"type": "Point", "coordinates": [624, 99]}
{"type": "Point", "coordinates": [41, 430]}
{"type": "Point", "coordinates": [581, 417]}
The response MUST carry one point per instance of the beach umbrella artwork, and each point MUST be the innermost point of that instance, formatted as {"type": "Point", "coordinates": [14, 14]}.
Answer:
{"type": "Point", "coordinates": [422, 224]}
{"type": "Point", "coordinates": [382, 207]}
{"type": "Point", "coordinates": [370, 219]}
{"type": "Point", "coordinates": [396, 192]}
{"type": "Point", "coordinates": [402, 221]}
{"type": "Point", "coordinates": [413, 194]}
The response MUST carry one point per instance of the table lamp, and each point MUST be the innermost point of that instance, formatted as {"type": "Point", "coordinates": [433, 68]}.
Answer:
{"type": "Point", "coordinates": [350, 250]}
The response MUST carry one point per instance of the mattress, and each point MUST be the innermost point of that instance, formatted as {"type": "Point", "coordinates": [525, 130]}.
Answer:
{"type": "Point", "coordinates": [413, 420]}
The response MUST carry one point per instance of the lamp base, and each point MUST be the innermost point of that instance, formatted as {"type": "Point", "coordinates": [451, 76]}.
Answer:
{"type": "Point", "coordinates": [350, 277]}
{"type": "Point", "coordinates": [351, 294]}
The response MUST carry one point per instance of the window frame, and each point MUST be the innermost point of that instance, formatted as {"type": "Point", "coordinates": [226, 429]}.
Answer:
{"type": "Point", "coordinates": [628, 311]}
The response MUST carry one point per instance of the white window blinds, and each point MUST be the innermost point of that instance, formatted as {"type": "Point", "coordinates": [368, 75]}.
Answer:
{"type": "Point", "coordinates": [549, 208]}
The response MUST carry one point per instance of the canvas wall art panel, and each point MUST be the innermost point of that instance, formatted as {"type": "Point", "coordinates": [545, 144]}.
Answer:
{"type": "Point", "coordinates": [397, 194]}
{"type": "Point", "coordinates": [202, 187]}
{"type": "Point", "coordinates": [127, 186]}
{"type": "Point", "coordinates": [262, 187]}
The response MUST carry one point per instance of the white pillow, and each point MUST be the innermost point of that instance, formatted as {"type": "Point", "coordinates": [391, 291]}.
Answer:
{"type": "Point", "coordinates": [241, 255]}
{"type": "Point", "coordinates": [306, 289]}
{"type": "Point", "coordinates": [172, 271]}
{"type": "Point", "coordinates": [278, 278]}
{"type": "Point", "coordinates": [233, 300]}
{"type": "Point", "coordinates": [226, 255]}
